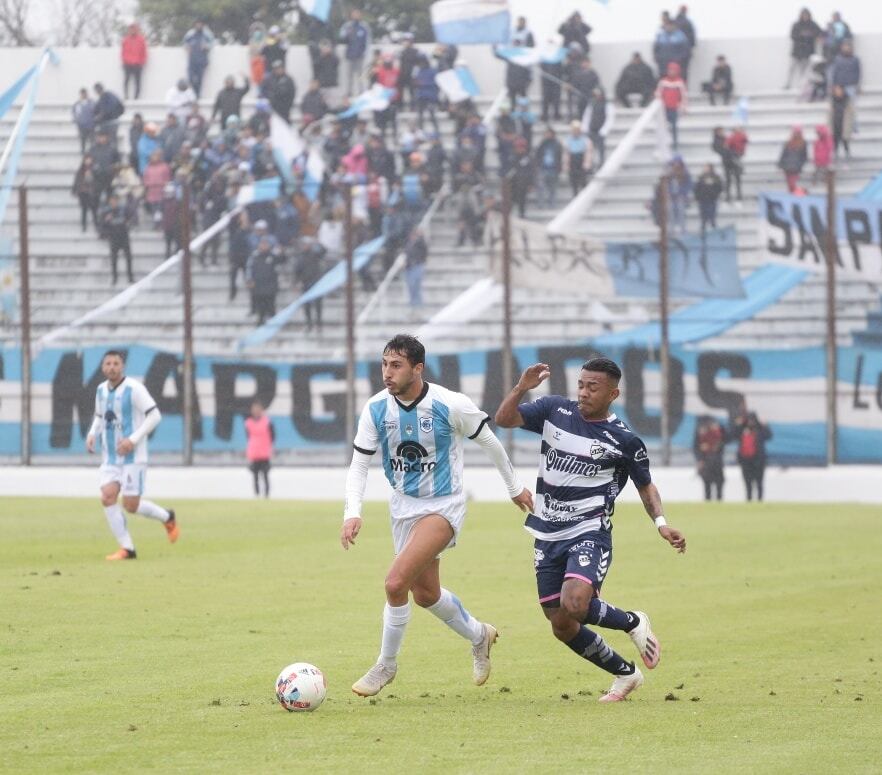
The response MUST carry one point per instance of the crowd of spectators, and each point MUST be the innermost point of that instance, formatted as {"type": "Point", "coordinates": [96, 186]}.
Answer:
{"type": "Point", "coordinates": [396, 167]}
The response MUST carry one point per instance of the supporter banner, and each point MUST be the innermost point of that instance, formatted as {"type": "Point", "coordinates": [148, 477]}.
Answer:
{"type": "Point", "coordinates": [527, 56]}
{"type": "Point", "coordinates": [470, 21]}
{"type": "Point", "coordinates": [376, 98]}
{"type": "Point", "coordinates": [792, 230]}
{"type": "Point", "coordinates": [699, 267]}
{"type": "Point", "coordinates": [306, 401]}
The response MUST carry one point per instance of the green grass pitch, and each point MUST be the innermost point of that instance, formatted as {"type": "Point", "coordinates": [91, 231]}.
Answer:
{"type": "Point", "coordinates": [770, 631]}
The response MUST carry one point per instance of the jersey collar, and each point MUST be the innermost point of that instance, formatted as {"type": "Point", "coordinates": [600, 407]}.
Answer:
{"type": "Point", "coordinates": [420, 397]}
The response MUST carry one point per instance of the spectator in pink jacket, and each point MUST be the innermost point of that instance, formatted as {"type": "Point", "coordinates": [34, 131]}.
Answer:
{"type": "Point", "coordinates": [356, 163]}
{"type": "Point", "coordinates": [155, 176]}
{"type": "Point", "coordinates": [672, 92]}
{"type": "Point", "coordinates": [822, 152]}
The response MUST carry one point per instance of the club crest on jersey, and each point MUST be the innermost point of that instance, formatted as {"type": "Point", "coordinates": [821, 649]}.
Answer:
{"type": "Point", "coordinates": [584, 560]}
{"type": "Point", "coordinates": [596, 450]}
{"type": "Point", "coordinates": [426, 424]}
{"type": "Point", "coordinates": [408, 429]}
{"type": "Point", "coordinates": [641, 455]}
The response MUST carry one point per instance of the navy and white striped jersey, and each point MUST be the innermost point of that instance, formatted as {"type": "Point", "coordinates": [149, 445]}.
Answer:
{"type": "Point", "coordinates": [583, 466]}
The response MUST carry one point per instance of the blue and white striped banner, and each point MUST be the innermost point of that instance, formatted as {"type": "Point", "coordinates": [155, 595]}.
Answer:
{"type": "Point", "coordinates": [785, 387]}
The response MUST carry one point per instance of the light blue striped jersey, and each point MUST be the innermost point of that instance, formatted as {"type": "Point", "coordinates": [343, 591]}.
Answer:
{"type": "Point", "coordinates": [420, 443]}
{"type": "Point", "coordinates": [121, 410]}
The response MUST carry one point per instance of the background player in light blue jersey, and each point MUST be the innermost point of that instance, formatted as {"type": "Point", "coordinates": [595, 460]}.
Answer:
{"type": "Point", "coordinates": [419, 428]}
{"type": "Point", "coordinates": [587, 456]}
{"type": "Point", "coordinates": [125, 414]}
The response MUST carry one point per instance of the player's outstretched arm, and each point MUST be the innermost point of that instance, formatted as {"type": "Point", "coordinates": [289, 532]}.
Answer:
{"type": "Point", "coordinates": [508, 416]}
{"type": "Point", "coordinates": [521, 496]}
{"type": "Point", "coordinates": [652, 503]}
{"type": "Point", "coordinates": [356, 480]}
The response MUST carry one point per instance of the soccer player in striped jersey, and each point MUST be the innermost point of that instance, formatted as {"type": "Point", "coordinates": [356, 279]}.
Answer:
{"type": "Point", "coordinates": [125, 414]}
{"type": "Point", "coordinates": [418, 429]}
{"type": "Point", "coordinates": [587, 456]}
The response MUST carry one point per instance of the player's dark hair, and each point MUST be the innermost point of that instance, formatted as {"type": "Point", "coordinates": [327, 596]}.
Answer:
{"type": "Point", "coordinates": [605, 366]}
{"type": "Point", "coordinates": [408, 346]}
{"type": "Point", "coordinates": [118, 353]}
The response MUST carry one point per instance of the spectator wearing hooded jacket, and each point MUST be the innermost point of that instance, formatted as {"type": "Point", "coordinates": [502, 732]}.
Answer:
{"type": "Point", "coordinates": [804, 34]}
{"type": "Point", "coordinates": [671, 47]}
{"type": "Point", "coordinates": [793, 158]}
{"type": "Point", "coordinates": [134, 57]}
{"type": "Point", "coordinates": [84, 117]}
{"type": "Point", "coordinates": [197, 43]}
{"type": "Point", "coordinates": [597, 120]}
{"type": "Point", "coordinates": [574, 30]}
{"type": "Point", "coordinates": [685, 25]}
{"type": "Point", "coordinates": [228, 101]}
{"type": "Point", "coordinates": [751, 436]}
{"type": "Point", "coordinates": [672, 93]}
{"type": "Point", "coordinates": [822, 152]}
{"type": "Point", "coordinates": [426, 92]}
{"type": "Point", "coordinates": [549, 163]}
{"type": "Point", "coordinates": [636, 78]}
{"type": "Point", "coordinates": [846, 72]}
{"type": "Point", "coordinates": [708, 188]}
{"type": "Point", "coordinates": [356, 37]}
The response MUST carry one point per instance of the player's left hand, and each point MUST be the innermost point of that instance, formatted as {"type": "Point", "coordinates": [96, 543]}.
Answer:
{"type": "Point", "coordinates": [124, 446]}
{"type": "Point", "coordinates": [524, 501]}
{"type": "Point", "coordinates": [674, 537]}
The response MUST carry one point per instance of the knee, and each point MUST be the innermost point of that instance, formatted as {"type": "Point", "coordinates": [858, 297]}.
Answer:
{"type": "Point", "coordinates": [131, 504]}
{"type": "Point", "coordinates": [423, 597]}
{"type": "Point", "coordinates": [107, 499]}
{"type": "Point", "coordinates": [396, 586]}
{"type": "Point", "coordinates": [563, 627]}
{"type": "Point", "coordinates": [575, 608]}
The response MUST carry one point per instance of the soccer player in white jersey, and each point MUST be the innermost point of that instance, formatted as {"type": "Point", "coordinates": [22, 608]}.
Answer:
{"type": "Point", "coordinates": [419, 428]}
{"type": "Point", "coordinates": [587, 456]}
{"type": "Point", "coordinates": [125, 414]}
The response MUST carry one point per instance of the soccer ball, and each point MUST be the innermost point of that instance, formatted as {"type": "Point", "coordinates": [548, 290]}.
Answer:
{"type": "Point", "coordinates": [301, 686]}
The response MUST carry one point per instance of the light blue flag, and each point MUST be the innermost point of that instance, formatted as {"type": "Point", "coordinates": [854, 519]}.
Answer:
{"type": "Point", "coordinates": [471, 21]}
{"type": "Point", "coordinates": [458, 84]}
{"type": "Point", "coordinates": [17, 147]}
{"type": "Point", "coordinates": [330, 281]}
{"type": "Point", "coordinates": [8, 97]}
{"type": "Point", "coordinates": [320, 9]}
{"type": "Point", "coordinates": [376, 98]}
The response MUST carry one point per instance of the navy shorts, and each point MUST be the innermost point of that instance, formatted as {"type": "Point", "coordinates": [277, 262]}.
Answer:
{"type": "Point", "coordinates": [586, 557]}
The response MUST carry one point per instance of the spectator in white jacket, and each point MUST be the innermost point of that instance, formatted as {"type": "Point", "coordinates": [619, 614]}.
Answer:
{"type": "Point", "coordinates": [180, 100]}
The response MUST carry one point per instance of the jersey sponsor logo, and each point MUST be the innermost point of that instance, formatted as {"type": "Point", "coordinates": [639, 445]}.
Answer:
{"type": "Point", "coordinates": [390, 425]}
{"type": "Point", "coordinates": [538, 556]}
{"type": "Point", "coordinates": [641, 455]}
{"type": "Point", "coordinates": [426, 424]}
{"type": "Point", "coordinates": [582, 545]}
{"type": "Point", "coordinates": [409, 456]}
{"type": "Point", "coordinates": [567, 412]}
{"type": "Point", "coordinates": [551, 507]}
{"type": "Point", "coordinates": [569, 464]}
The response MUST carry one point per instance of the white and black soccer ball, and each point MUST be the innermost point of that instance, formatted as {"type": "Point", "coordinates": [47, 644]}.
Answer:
{"type": "Point", "coordinates": [301, 686]}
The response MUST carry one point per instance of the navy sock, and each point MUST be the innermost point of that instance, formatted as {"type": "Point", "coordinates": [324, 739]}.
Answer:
{"type": "Point", "coordinates": [589, 645]}
{"type": "Point", "coordinates": [606, 615]}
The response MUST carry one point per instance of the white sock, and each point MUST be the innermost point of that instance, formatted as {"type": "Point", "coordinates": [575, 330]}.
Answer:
{"type": "Point", "coordinates": [150, 509]}
{"type": "Point", "coordinates": [395, 619]}
{"type": "Point", "coordinates": [117, 521]}
{"type": "Point", "coordinates": [450, 611]}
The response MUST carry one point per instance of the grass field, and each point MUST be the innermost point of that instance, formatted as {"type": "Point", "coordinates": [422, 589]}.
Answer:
{"type": "Point", "coordinates": [769, 625]}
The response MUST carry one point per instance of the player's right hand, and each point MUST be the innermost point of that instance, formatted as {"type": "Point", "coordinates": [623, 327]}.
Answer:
{"type": "Point", "coordinates": [349, 531]}
{"type": "Point", "coordinates": [534, 376]}
{"type": "Point", "coordinates": [90, 444]}
{"type": "Point", "coordinates": [524, 501]}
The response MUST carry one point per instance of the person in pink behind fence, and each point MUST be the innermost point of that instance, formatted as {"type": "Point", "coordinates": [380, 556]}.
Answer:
{"type": "Point", "coordinates": [261, 434]}
{"type": "Point", "coordinates": [822, 152]}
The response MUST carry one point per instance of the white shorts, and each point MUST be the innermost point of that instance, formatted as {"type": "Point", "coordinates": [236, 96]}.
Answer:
{"type": "Point", "coordinates": [130, 477]}
{"type": "Point", "coordinates": [406, 511]}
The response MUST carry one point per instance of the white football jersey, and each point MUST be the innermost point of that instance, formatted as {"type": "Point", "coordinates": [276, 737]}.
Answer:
{"type": "Point", "coordinates": [121, 410]}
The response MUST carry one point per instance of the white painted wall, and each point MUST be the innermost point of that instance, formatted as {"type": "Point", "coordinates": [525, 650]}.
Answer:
{"type": "Point", "coordinates": [759, 64]}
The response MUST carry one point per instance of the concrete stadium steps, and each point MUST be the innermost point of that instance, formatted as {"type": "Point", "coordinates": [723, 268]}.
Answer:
{"type": "Point", "coordinates": [70, 270]}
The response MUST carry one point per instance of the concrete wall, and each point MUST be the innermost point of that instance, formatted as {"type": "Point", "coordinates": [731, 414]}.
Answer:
{"type": "Point", "coordinates": [759, 65]}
